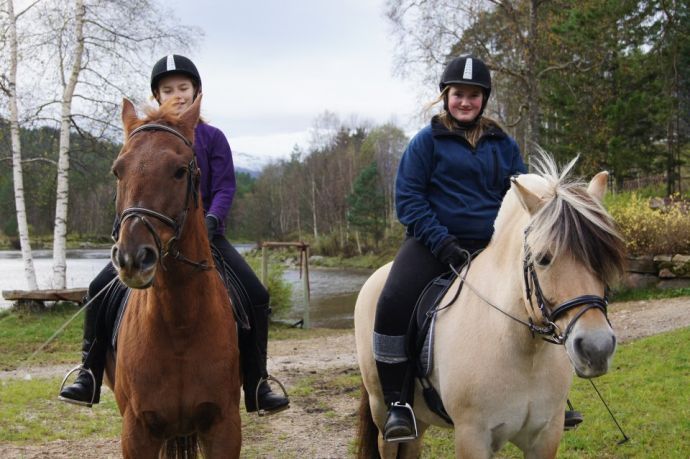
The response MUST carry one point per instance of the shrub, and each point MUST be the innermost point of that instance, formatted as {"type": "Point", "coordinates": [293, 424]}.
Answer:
{"type": "Point", "coordinates": [279, 289]}
{"type": "Point", "coordinates": [649, 231]}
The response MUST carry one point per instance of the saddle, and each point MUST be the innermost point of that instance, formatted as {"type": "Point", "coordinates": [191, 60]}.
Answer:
{"type": "Point", "coordinates": [420, 341]}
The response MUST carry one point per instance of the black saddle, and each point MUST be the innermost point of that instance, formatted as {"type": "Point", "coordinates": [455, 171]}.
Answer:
{"type": "Point", "coordinates": [420, 338]}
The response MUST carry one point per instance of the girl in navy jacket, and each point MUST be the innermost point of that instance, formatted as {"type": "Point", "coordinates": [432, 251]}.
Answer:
{"type": "Point", "coordinates": [450, 184]}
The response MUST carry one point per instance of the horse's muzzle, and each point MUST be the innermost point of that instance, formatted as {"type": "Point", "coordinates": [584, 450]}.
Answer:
{"type": "Point", "coordinates": [591, 350]}
{"type": "Point", "coordinates": [136, 265]}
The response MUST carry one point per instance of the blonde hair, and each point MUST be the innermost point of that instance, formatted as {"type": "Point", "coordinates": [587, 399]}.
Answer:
{"type": "Point", "coordinates": [472, 135]}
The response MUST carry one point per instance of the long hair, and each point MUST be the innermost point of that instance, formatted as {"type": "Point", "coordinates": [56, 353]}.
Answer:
{"type": "Point", "coordinates": [472, 135]}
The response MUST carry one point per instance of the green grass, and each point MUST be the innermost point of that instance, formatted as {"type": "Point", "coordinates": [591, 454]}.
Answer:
{"type": "Point", "coordinates": [23, 333]}
{"type": "Point", "coordinates": [647, 390]}
{"type": "Point", "coordinates": [31, 413]}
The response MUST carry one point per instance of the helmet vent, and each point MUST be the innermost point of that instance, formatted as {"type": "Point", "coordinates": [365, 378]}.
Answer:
{"type": "Point", "coordinates": [467, 73]}
{"type": "Point", "coordinates": [170, 63]}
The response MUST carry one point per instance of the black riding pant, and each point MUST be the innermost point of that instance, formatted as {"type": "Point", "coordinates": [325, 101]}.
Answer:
{"type": "Point", "coordinates": [413, 268]}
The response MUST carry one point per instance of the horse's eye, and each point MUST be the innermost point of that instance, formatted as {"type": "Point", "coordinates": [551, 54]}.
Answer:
{"type": "Point", "coordinates": [179, 173]}
{"type": "Point", "coordinates": [543, 259]}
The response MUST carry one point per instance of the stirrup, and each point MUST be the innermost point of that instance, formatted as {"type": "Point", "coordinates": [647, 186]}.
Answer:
{"type": "Point", "coordinates": [404, 406]}
{"type": "Point", "coordinates": [78, 402]}
{"type": "Point", "coordinates": [262, 412]}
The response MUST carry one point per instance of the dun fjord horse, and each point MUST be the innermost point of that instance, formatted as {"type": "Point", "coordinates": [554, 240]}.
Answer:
{"type": "Point", "coordinates": [544, 275]}
{"type": "Point", "coordinates": [176, 378]}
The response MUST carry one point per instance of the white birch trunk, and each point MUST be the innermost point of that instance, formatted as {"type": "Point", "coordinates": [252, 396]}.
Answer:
{"type": "Point", "coordinates": [17, 174]}
{"type": "Point", "coordinates": [62, 197]}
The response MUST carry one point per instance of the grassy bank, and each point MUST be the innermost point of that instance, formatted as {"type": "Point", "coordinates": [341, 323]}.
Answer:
{"type": "Point", "coordinates": [646, 389]}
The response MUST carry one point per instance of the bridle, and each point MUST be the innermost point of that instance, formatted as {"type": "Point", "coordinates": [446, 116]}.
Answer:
{"type": "Point", "coordinates": [547, 328]}
{"type": "Point", "coordinates": [549, 315]}
{"type": "Point", "coordinates": [170, 247]}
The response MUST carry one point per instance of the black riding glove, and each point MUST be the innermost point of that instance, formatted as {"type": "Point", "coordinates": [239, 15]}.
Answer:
{"type": "Point", "coordinates": [451, 253]}
{"type": "Point", "coordinates": [211, 226]}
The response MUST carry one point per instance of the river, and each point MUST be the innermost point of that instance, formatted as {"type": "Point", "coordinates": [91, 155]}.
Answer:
{"type": "Point", "coordinates": [333, 291]}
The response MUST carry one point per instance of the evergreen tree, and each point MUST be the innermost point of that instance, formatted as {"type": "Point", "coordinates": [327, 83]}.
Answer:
{"type": "Point", "coordinates": [367, 204]}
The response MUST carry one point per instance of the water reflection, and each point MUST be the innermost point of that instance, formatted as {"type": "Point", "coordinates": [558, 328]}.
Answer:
{"type": "Point", "coordinates": [333, 296]}
{"type": "Point", "coordinates": [333, 291]}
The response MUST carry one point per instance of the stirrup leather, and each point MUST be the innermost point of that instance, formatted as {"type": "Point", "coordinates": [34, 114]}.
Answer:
{"type": "Point", "coordinates": [404, 406]}
{"type": "Point", "coordinates": [77, 402]}
{"type": "Point", "coordinates": [260, 411]}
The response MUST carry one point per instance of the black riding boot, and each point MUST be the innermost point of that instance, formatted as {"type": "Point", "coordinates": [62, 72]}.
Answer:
{"type": "Point", "coordinates": [87, 390]}
{"type": "Point", "coordinates": [253, 353]}
{"type": "Point", "coordinates": [400, 423]}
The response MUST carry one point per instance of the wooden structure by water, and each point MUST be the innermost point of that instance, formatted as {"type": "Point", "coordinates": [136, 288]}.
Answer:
{"type": "Point", "coordinates": [75, 295]}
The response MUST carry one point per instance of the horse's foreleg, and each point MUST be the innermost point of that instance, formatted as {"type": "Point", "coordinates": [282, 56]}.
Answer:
{"type": "Point", "coordinates": [545, 445]}
{"type": "Point", "coordinates": [223, 439]}
{"type": "Point", "coordinates": [137, 441]}
{"type": "Point", "coordinates": [472, 443]}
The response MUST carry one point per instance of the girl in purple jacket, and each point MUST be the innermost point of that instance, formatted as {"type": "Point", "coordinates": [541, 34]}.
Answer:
{"type": "Point", "coordinates": [176, 78]}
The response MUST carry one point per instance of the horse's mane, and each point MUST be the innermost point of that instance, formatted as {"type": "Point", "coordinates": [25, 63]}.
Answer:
{"type": "Point", "coordinates": [572, 221]}
{"type": "Point", "coordinates": [163, 114]}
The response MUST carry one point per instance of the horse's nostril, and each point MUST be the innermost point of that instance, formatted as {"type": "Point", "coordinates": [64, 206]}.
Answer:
{"type": "Point", "coordinates": [147, 257]}
{"type": "Point", "coordinates": [577, 344]}
{"type": "Point", "coordinates": [116, 257]}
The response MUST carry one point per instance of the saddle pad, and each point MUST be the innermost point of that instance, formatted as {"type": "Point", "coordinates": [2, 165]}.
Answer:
{"type": "Point", "coordinates": [425, 320]}
{"type": "Point", "coordinates": [120, 303]}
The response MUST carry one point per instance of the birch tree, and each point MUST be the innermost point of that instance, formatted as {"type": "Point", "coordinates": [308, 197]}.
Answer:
{"type": "Point", "coordinates": [62, 197]}
{"type": "Point", "coordinates": [17, 173]}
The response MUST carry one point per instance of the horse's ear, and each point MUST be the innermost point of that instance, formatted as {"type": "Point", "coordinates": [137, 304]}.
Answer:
{"type": "Point", "coordinates": [190, 117]}
{"type": "Point", "coordinates": [530, 201]}
{"type": "Point", "coordinates": [597, 186]}
{"type": "Point", "coordinates": [129, 116]}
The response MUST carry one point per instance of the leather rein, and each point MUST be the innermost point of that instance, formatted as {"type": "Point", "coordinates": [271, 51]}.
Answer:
{"type": "Point", "coordinates": [547, 328]}
{"type": "Point", "coordinates": [170, 247]}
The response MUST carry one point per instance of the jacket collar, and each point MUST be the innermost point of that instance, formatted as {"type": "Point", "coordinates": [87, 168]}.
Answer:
{"type": "Point", "coordinates": [438, 129]}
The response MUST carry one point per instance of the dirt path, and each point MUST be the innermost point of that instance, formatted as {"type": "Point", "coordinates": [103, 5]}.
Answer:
{"type": "Point", "coordinates": [321, 420]}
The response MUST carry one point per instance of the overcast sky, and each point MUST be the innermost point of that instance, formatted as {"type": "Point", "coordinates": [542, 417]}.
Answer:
{"type": "Point", "coordinates": [270, 67]}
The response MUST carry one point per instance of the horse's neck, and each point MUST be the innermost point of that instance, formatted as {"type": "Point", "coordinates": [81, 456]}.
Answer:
{"type": "Point", "coordinates": [181, 288]}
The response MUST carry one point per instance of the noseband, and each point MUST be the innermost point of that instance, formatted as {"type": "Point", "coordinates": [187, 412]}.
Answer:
{"type": "Point", "coordinates": [175, 223]}
{"type": "Point", "coordinates": [549, 315]}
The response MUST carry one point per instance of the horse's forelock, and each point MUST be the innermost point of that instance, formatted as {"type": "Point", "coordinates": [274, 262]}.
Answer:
{"type": "Point", "coordinates": [165, 113]}
{"type": "Point", "coordinates": [574, 222]}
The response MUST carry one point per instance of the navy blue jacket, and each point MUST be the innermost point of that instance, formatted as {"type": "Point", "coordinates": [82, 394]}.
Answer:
{"type": "Point", "coordinates": [447, 188]}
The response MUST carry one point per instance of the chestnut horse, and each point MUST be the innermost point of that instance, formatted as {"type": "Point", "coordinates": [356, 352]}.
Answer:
{"type": "Point", "coordinates": [176, 374]}
{"type": "Point", "coordinates": [544, 275]}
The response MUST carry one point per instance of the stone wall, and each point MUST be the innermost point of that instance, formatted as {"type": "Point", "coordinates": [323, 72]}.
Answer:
{"type": "Point", "coordinates": [662, 271]}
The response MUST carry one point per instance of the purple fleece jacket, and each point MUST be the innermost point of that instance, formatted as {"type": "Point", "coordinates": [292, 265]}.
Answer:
{"type": "Point", "coordinates": [214, 158]}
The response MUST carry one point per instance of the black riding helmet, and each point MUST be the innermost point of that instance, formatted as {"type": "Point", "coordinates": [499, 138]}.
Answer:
{"type": "Point", "coordinates": [466, 70]}
{"type": "Point", "coordinates": [172, 64]}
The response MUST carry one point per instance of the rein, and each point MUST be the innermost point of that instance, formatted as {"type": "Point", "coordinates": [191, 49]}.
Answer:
{"type": "Point", "coordinates": [548, 327]}
{"type": "Point", "coordinates": [141, 213]}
